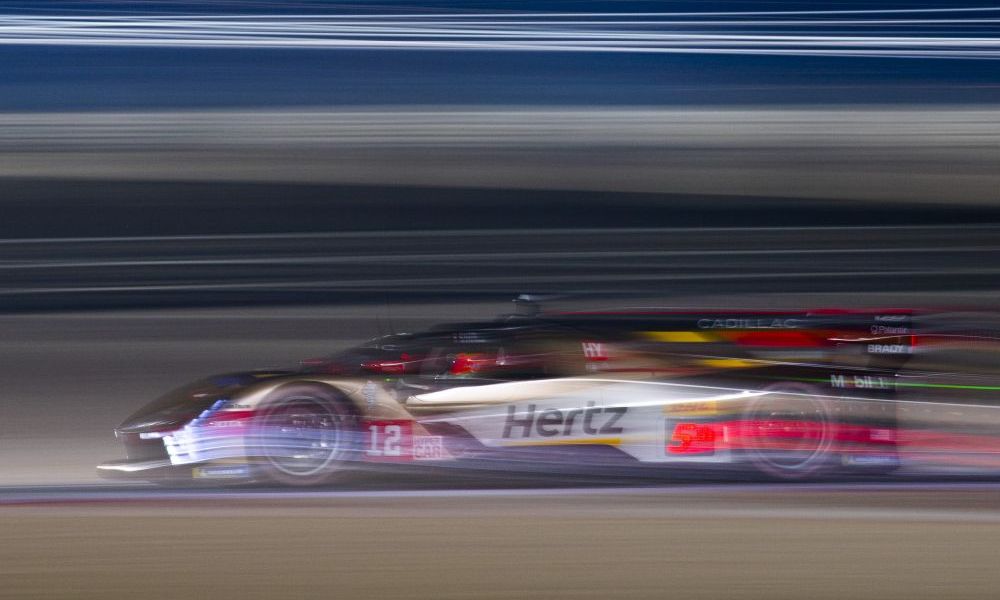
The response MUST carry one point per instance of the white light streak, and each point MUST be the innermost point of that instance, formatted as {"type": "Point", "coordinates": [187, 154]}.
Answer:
{"type": "Point", "coordinates": [964, 33]}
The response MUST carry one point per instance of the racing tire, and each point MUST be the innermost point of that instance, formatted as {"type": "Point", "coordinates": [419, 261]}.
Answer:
{"type": "Point", "coordinates": [792, 433]}
{"type": "Point", "coordinates": [306, 435]}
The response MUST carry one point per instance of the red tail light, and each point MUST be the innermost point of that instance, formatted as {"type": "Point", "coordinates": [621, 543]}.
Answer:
{"type": "Point", "coordinates": [469, 363]}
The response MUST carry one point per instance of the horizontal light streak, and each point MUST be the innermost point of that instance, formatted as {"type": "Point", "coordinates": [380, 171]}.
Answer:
{"type": "Point", "coordinates": [500, 258]}
{"type": "Point", "coordinates": [967, 9]}
{"type": "Point", "coordinates": [908, 37]}
{"type": "Point", "coordinates": [395, 127]}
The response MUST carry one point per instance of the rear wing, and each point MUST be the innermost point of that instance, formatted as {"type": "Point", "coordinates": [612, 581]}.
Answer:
{"type": "Point", "coordinates": [885, 336]}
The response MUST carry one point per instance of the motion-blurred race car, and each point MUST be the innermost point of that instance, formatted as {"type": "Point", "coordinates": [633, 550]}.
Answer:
{"type": "Point", "coordinates": [792, 395]}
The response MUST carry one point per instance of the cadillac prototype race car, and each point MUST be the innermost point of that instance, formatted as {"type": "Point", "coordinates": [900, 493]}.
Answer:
{"type": "Point", "coordinates": [791, 395]}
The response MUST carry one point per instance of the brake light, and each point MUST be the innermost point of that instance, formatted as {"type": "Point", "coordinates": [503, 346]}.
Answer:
{"type": "Point", "coordinates": [469, 363]}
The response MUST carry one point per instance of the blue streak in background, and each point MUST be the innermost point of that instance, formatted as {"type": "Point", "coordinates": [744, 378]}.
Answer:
{"type": "Point", "coordinates": [67, 77]}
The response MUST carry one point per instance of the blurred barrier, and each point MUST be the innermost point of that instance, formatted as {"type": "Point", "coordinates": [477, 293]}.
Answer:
{"type": "Point", "coordinates": [60, 273]}
{"type": "Point", "coordinates": [941, 154]}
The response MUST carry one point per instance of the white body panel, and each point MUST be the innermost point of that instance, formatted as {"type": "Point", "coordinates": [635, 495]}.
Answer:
{"type": "Point", "coordinates": [636, 417]}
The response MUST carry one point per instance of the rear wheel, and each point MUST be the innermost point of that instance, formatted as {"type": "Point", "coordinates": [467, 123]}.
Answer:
{"type": "Point", "coordinates": [306, 435]}
{"type": "Point", "coordinates": [789, 433]}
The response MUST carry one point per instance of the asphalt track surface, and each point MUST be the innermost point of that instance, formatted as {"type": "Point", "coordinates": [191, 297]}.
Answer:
{"type": "Point", "coordinates": [695, 541]}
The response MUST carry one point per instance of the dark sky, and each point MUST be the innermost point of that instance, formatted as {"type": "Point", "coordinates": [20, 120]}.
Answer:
{"type": "Point", "coordinates": [69, 77]}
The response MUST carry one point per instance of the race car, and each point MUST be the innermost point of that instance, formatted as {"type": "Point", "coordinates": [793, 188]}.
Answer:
{"type": "Point", "coordinates": [792, 395]}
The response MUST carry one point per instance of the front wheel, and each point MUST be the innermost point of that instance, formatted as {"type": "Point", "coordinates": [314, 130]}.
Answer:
{"type": "Point", "coordinates": [305, 435]}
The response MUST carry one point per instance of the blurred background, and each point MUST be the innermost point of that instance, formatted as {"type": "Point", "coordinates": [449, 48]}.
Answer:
{"type": "Point", "coordinates": [195, 187]}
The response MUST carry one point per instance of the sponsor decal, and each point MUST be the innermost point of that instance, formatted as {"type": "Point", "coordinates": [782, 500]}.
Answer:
{"type": "Point", "coordinates": [708, 407]}
{"type": "Point", "coordinates": [748, 323]}
{"type": "Point", "coordinates": [595, 351]}
{"type": "Point", "coordinates": [428, 447]}
{"type": "Point", "coordinates": [862, 382]}
{"type": "Point", "coordinates": [553, 422]}
{"type": "Point", "coordinates": [889, 349]}
{"type": "Point", "coordinates": [227, 423]}
{"type": "Point", "coordinates": [691, 438]}
{"type": "Point", "coordinates": [392, 440]}
{"type": "Point", "coordinates": [889, 330]}
{"type": "Point", "coordinates": [891, 318]}
{"type": "Point", "coordinates": [389, 440]}
{"type": "Point", "coordinates": [369, 392]}
{"type": "Point", "coordinates": [469, 337]}
{"type": "Point", "coordinates": [221, 472]}
{"type": "Point", "coordinates": [889, 460]}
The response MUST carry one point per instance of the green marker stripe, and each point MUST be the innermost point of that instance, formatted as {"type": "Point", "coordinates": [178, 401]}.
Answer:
{"type": "Point", "coordinates": [936, 386]}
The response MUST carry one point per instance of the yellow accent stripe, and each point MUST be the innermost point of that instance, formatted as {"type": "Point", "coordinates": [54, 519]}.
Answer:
{"type": "Point", "coordinates": [729, 363]}
{"type": "Point", "coordinates": [692, 409]}
{"type": "Point", "coordinates": [571, 442]}
{"type": "Point", "coordinates": [680, 336]}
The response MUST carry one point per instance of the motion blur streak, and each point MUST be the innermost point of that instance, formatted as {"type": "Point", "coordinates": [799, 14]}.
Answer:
{"type": "Point", "coordinates": [337, 267]}
{"type": "Point", "coordinates": [897, 152]}
{"type": "Point", "coordinates": [806, 33]}
{"type": "Point", "coordinates": [919, 542]}
{"type": "Point", "coordinates": [757, 242]}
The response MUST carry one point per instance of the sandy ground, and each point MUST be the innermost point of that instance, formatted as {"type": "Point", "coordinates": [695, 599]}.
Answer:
{"type": "Point", "coordinates": [798, 542]}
